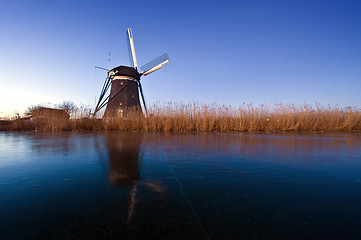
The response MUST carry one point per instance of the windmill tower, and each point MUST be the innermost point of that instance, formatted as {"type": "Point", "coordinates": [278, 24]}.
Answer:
{"type": "Point", "coordinates": [124, 83]}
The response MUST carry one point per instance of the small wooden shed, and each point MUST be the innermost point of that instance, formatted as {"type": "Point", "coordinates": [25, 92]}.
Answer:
{"type": "Point", "coordinates": [49, 113]}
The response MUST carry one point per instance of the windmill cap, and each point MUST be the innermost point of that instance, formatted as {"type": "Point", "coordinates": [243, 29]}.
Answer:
{"type": "Point", "coordinates": [126, 71]}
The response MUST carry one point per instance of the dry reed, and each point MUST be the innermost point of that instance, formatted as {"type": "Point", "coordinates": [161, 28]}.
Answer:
{"type": "Point", "coordinates": [178, 117]}
{"type": "Point", "coordinates": [217, 118]}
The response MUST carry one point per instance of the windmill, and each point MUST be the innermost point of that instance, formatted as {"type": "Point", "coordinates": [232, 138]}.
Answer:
{"type": "Point", "coordinates": [124, 83]}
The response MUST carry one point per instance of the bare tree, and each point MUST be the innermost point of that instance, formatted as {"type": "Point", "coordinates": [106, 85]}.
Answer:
{"type": "Point", "coordinates": [30, 111]}
{"type": "Point", "coordinates": [68, 106]}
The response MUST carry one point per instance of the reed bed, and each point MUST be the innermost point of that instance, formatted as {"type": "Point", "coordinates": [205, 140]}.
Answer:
{"type": "Point", "coordinates": [220, 118]}
{"type": "Point", "coordinates": [178, 117]}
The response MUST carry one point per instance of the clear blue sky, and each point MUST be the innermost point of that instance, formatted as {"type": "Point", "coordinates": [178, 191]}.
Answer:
{"type": "Point", "coordinates": [228, 52]}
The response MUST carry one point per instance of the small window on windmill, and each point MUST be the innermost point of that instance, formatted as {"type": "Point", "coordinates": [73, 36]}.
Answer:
{"type": "Point", "coordinates": [120, 112]}
{"type": "Point", "coordinates": [120, 104]}
{"type": "Point", "coordinates": [132, 96]}
{"type": "Point", "coordinates": [121, 83]}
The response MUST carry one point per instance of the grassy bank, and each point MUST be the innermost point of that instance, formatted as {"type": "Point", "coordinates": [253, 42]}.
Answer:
{"type": "Point", "coordinates": [209, 118]}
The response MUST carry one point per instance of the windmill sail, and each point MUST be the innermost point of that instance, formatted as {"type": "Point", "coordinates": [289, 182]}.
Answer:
{"type": "Point", "coordinates": [141, 93]}
{"type": "Point", "coordinates": [156, 64]}
{"type": "Point", "coordinates": [132, 56]}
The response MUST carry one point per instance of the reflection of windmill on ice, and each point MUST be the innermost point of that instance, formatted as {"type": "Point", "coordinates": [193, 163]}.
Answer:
{"type": "Point", "coordinates": [125, 82]}
{"type": "Point", "coordinates": [125, 157]}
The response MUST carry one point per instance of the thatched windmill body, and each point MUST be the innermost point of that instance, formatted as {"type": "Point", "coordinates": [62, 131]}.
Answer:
{"type": "Point", "coordinates": [124, 83]}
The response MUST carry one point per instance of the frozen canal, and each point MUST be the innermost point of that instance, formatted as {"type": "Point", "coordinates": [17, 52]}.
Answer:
{"type": "Point", "coordinates": [180, 186]}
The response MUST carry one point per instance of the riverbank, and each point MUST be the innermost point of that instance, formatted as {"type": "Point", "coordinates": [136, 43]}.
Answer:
{"type": "Point", "coordinates": [206, 118]}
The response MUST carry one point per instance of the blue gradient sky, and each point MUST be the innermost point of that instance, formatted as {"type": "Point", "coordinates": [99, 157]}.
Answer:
{"type": "Point", "coordinates": [228, 52]}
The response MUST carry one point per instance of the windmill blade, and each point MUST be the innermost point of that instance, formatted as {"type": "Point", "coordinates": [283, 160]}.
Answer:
{"type": "Point", "coordinates": [132, 56]}
{"type": "Point", "coordinates": [155, 64]}
{"type": "Point", "coordinates": [102, 94]}
{"type": "Point", "coordinates": [141, 93]}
